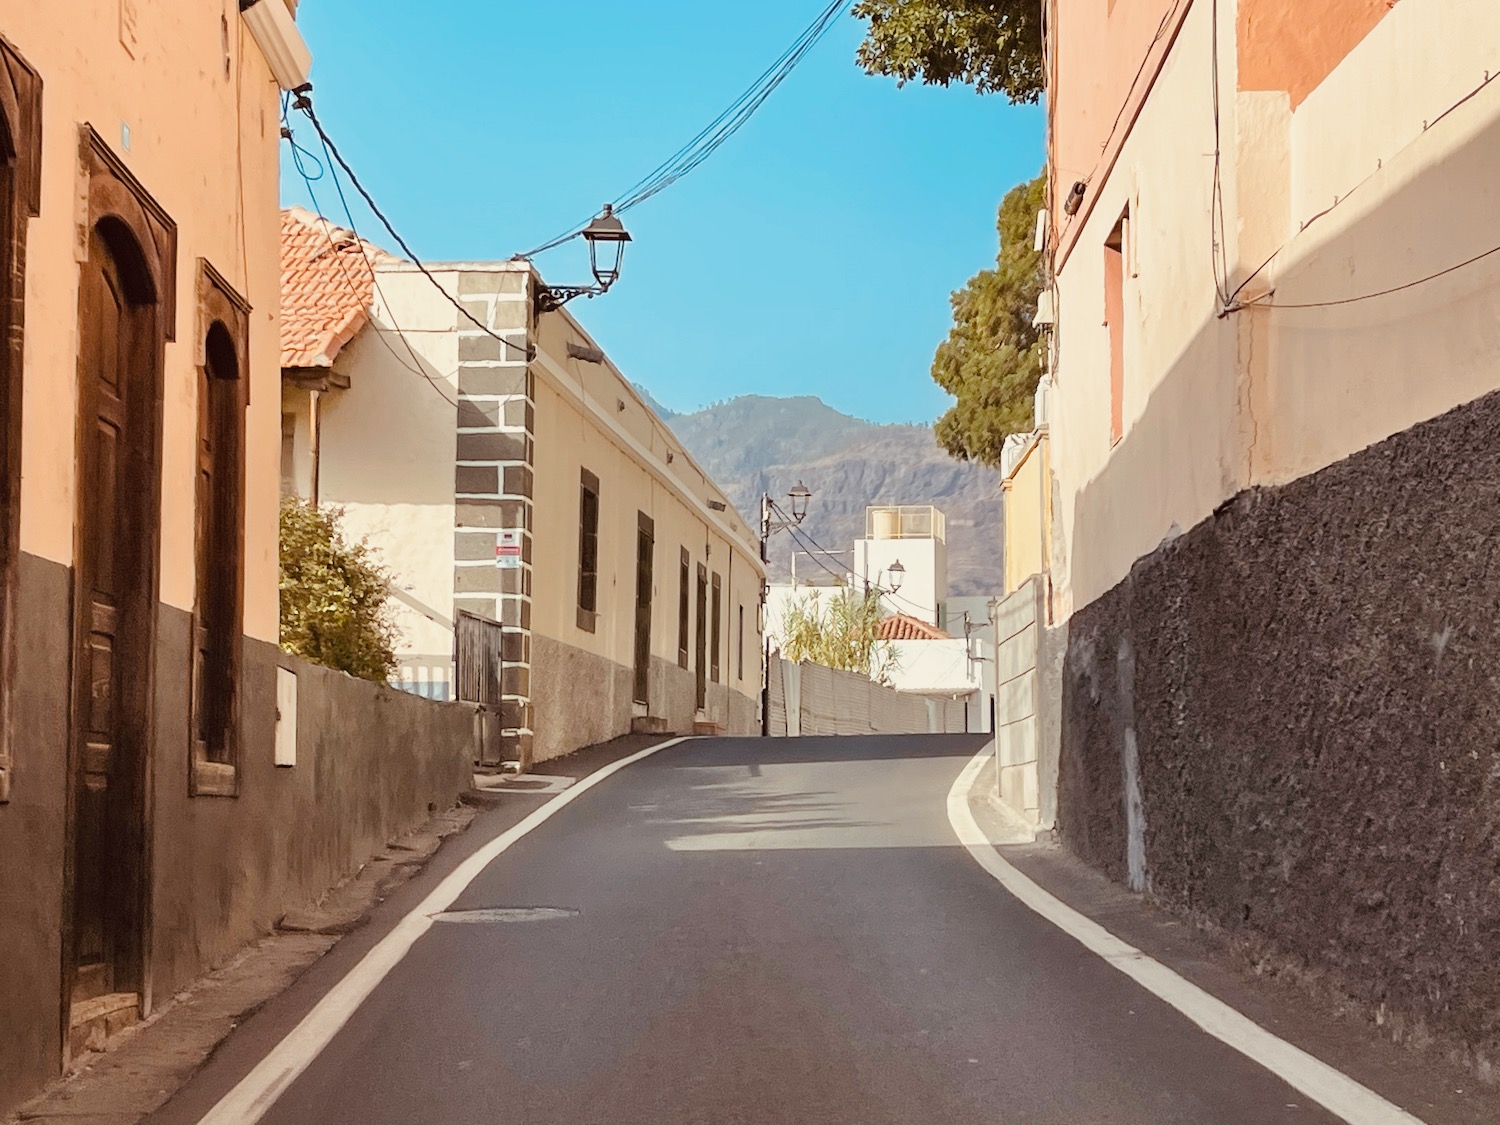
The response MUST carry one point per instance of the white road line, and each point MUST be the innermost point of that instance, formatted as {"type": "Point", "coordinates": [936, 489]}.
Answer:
{"type": "Point", "coordinates": [1330, 1088]}
{"type": "Point", "coordinates": [248, 1102]}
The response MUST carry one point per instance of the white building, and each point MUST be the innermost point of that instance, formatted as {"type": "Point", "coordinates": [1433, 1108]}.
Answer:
{"type": "Point", "coordinates": [905, 552]}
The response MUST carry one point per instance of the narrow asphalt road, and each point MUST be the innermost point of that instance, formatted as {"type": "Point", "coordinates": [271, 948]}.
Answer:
{"type": "Point", "coordinates": [758, 931]}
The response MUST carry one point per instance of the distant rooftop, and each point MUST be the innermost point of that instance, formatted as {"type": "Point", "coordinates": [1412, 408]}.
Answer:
{"type": "Point", "coordinates": [901, 627]}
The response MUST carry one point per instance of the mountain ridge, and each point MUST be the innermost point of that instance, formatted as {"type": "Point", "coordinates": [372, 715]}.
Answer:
{"type": "Point", "coordinates": [752, 444]}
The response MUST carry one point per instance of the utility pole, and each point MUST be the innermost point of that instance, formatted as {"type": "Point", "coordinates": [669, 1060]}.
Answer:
{"type": "Point", "coordinates": [799, 496]}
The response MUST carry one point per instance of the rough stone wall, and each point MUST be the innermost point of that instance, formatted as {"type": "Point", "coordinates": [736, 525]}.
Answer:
{"type": "Point", "coordinates": [673, 695]}
{"type": "Point", "coordinates": [578, 699]}
{"type": "Point", "coordinates": [1285, 721]}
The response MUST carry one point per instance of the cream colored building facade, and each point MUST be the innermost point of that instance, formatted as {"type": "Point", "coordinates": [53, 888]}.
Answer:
{"type": "Point", "coordinates": [1356, 155]}
{"type": "Point", "coordinates": [447, 435]}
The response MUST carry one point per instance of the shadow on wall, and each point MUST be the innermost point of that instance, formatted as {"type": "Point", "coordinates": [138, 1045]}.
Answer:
{"type": "Point", "coordinates": [1305, 680]}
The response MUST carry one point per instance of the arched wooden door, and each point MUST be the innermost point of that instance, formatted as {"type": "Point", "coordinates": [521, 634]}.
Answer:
{"type": "Point", "coordinates": [117, 532]}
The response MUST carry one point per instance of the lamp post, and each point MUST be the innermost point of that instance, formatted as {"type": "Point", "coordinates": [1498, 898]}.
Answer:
{"type": "Point", "coordinates": [606, 237]}
{"type": "Point", "coordinates": [895, 574]}
{"type": "Point", "coordinates": [772, 520]}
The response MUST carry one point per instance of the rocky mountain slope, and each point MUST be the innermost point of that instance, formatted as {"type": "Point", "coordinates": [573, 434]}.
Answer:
{"type": "Point", "coordinates": [754, 444]}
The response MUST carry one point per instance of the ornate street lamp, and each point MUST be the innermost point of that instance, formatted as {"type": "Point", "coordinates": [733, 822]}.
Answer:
{"type": "Point", "coordinates": [896, 575]}
{"type": "Point", "coordinates": [606, 237]}
{"type": "Point", "coordinates": [799, 496]}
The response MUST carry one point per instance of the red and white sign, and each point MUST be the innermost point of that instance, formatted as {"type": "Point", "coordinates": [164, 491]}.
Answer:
{"type": "Point", "coordinates": [508, 551]}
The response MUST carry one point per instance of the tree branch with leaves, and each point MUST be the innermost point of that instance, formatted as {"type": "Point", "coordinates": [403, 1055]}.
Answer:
{"type": "Point", "coordinates": [994, 355]}
{"type": "Point", "coordinates": [993, 45]}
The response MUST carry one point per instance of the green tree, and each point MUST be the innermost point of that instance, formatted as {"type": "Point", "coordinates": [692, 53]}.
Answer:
{"type": "Point", "coordinates": [994, 355]}
{"type": "Point", "coordinates": [842, 632]}
{"type": "Point", "coordinates": [993, 45]}
{"type": "Point", "coordinates": [335, 595]}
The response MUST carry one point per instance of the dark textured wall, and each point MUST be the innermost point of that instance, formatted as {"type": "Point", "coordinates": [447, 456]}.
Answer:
{"type": "Point", "coordinates": [372, 762]}
{"type": "Point", "coordinates": [1312, 680]}
{"type": "Point", "coordinates": [32, 834]}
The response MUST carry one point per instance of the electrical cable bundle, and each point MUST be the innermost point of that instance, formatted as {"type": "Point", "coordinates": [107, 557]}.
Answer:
{"type": "Point", "coordinates": [718, 131]}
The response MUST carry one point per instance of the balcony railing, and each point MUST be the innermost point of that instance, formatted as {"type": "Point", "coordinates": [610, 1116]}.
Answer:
{"type": "Point", "coordinates": [906, 521]}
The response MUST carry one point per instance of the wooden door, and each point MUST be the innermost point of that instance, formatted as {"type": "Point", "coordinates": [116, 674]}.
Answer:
{"type": "Point", "coordinates": [645, 549]}
{"type": "Point", "coordinates": [109, 716]}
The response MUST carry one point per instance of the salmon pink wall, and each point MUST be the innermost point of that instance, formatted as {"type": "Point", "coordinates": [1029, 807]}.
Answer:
{"type": "Point", "coordinates": [1292, 45]}
{"type": "Point", "coordinates": [1097, 48]}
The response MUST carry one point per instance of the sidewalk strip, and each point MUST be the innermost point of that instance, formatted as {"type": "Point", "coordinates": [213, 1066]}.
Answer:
{"type": "Point", "coordinates": [248, 1102]}
{"type": "Point", "coordinates": [1330, 1088]}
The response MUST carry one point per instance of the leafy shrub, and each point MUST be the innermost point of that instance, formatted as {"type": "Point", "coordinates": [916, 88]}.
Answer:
{"type": "Point", "coordinates": [842, 632]}
{"type": "Point", "coordinates": [335, 595]}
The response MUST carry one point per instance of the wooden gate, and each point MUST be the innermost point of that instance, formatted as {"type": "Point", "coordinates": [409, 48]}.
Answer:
{"type": "Point", "coordinates": [477, 664]}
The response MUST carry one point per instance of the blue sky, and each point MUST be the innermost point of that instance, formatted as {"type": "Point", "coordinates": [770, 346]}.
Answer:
{"type": "Point", "coordinates": [813, 254]}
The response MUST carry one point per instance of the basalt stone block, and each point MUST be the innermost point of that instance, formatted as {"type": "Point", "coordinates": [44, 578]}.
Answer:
{"type": "Point", "coordinates": [515, 647]}
{"type": "Point", "coordinates": [492, 380]}
{"type": "Point", "coordinates": [520, 412]}
{"type": "Point", "coordinates": [518, 480]}
{"type": "Point", "coordinates": [478, 415]}
{"type": "Point", "coordinates": [490, 513]}
{"type": "Point", "coordinates": [483, 480]}
{"type": "Point", "coordinates": [481, 348]}
{"type": "Point", "coordinates": [476, 281]}
{"type": "Point", "coordinates": [492, 447]}
{"type": "Point", "coordinates": [474, 546]}
{"type": "Point", "coordinates": [480, 579]}
{"type": "Point", "coordinates": [516, 613]}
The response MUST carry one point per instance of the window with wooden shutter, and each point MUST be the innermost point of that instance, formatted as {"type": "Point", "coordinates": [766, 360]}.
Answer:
{"type": "Point", "coordinates": [219, 535]}
{"type": "Point", "coordinates": [683, 613]}
{"type": "Point", "coordinates": [700, 667]}
{"type": "Point", "coordinates": [717, 639]}
{"type": "Point", "coordinates": [588, 551]}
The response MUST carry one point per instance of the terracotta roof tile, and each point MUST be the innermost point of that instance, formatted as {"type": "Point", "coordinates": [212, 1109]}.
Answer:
{"type": "Point", "coordinates": [326, 288]}
{"type": "Point", "coordinates": [900, 627]}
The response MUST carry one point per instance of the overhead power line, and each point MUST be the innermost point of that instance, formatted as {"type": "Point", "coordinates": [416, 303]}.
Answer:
{"type": "Point", "coordinates": [304, 103]}
{"type": "Point", "coordinates": [720, 129]}
{"type": "Point", "coordinates": [359, 242]}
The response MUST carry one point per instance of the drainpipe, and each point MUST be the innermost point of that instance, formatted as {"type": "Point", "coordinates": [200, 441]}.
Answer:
{"type": "Point", "coordinates": [314, 439]}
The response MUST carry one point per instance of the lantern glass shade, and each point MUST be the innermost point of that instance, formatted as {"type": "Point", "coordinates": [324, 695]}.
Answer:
{"type": "Point", "coordinates": [799, 496]}
{"type": "Point", "coordinates": [897, 575]}
{"type": "Point", "coordinates": [606, 237]}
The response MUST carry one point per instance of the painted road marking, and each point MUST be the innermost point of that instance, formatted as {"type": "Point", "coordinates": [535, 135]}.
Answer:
{"type": "Point", "coordinates": [1330, 1088]}
{"type": "Point", "coordinates": [248, 1102]}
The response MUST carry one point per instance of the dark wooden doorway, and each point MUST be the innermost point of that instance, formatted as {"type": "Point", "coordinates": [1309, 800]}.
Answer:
{"type": "Point", "coordinates": [645, 550]}
{"type": "Point", "coordinates": [701, 668]}
{"type": "Point", "coordinates": [117, 535]}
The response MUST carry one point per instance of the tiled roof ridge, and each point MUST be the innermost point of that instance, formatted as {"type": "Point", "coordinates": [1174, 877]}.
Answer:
{"type": "Point", "coordinates": [326, 287]}
{"type": "Point", "coordinates": [904, 627]}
